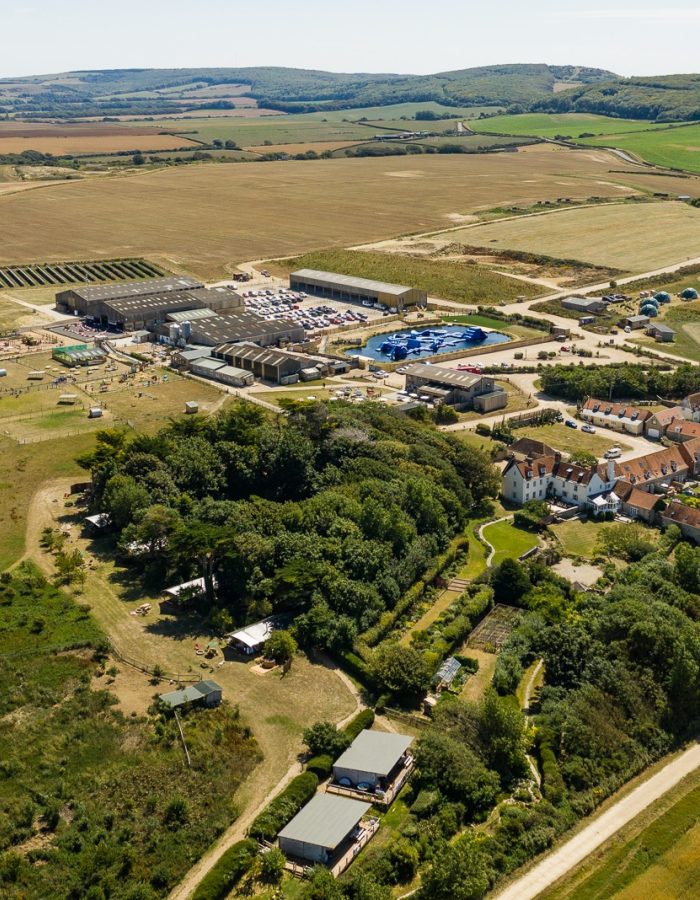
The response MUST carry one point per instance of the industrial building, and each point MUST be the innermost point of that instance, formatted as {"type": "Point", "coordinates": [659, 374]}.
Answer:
{"type": "Point", "coordinates": [241, 325]}
{"type": "Point", "coordinates": [279, 366]}
{"type": "Point", "coordinates": [584, 305]}
{"type": "Point", "coordinates": [460, 389]}
{"type": "Point", "coordinates": [356, 290]}
{"type": "Point", "coordinates": [142, 304]}
{"type": "Point", "coordinates": [217, 370]}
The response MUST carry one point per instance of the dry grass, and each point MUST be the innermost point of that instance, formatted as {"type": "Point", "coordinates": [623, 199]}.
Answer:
{"type": "Point", "coordinates": [624, 236]}
{"type": "Point", "coordinates": [207, 218]}
{"type": "Point", "coordinates": [476, 684]}
{"type": "Point", "coordinates": [316, 146]}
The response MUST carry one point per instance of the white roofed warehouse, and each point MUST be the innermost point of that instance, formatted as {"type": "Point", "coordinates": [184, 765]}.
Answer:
{"type": "Point", "coordinates": [351, 289]}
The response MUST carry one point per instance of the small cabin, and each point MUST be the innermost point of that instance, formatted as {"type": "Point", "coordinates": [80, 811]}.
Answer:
{"type": "Point", "coordinates": [202, 693]}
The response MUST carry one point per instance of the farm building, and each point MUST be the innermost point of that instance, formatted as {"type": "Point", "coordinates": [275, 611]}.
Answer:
{"type": "Point", "coordinates": [270, 364]}
{"type": "Point", "coordinates": [251, 639]}
{"type": "Point", "coordinates": [183, 359]}
{"type": "Point", "coordinates": [357, 290]}
{"type": "Point", "coordinates": [376, 763]}
{"type": "Point", "coordinates": [79, 355]}
{"type": "Point", "coordinates": [687, 518]}
{"type": "Point", "coordinates": [662, 333]}
{"type": "Point", "coordinates": [616, 416]}
{"type": "Point", "coordinates": [329, 830]}
{"type": "Point", "coordinates": [442, 385]}
{"type": "Point", "coordinates": [206, 693]}
{"type": "Point", "coordinates": [635, 322]}
{"type": "Point", "coordinates": [584, 305]}
{"type": "Point", "coordinates": [238, 326]}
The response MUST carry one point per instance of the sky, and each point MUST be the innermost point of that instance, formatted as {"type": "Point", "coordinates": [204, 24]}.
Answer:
{"type": "Point", "coordinates": [630, 37]}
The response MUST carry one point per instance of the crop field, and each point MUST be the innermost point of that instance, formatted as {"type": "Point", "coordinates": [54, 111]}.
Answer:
{"type": "Point", "coordinates": [75, 139]}
{"type": "Point", "coordinates": [441, 278]}
{"type": "Point", "coordinates": [315, 146]}
{"type": "Point", "coordinates": [572, 125]}
{"type": "Point", "coordinates": [208, 218]}
{"type": "Point", "coordinates": [675, 147]}
{"type": "Point", "coordinates": [657, 855]}
{"type": "Point", "coordinates": [644, 237]}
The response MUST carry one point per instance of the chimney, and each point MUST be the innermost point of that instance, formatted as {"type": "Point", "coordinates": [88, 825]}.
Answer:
{"type": "Point", "coordinates": [611, 470]}
{"type": "Point", "coordinates": [557, 457]}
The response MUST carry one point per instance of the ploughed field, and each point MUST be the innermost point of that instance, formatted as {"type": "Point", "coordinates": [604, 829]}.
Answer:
{"type": "Point", "coordinates": [76, 139]}
{"type": "Point", "coordinates": [209, 217]}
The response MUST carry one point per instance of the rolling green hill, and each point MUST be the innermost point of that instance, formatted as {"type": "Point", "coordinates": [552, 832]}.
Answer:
{"type": "Point", "coordinates": [167, 91]}
{"type": "Point", "coordinates": [664, 98]}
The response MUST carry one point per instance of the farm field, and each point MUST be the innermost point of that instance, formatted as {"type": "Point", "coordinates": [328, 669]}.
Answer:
{"type": "Point", "coordinates": [674, 147]}
{"type": "Point", "coordinates": [508, 541]}
{"type": "Point", "coordinates": [645, 237]}
{"type": "Point", "coordinates": [75, 139]}
{"type": "Point", "coordinates": [572, 125]}
{"type": "Point", "coordinates": [315, 146]}
{"type": "Point", "coordinates": [441, 278]}
{"type": "Point", "coordinates": [570, 440]}
{"type": "Point", "coordinates": [204, 213]}
{"type": "Point", "coordinates": [657, 855]}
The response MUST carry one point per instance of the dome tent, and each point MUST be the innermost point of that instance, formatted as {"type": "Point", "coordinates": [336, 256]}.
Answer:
{"type": "Point", "coordinates": [649, 310]}
{"type": "Point", "coordinates": [689, 294]}
{"type": "Point", "coordinates": [662, 297]}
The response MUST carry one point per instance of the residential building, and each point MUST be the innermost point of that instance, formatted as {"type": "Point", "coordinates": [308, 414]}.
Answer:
{"type": "Point", "coordinates": [661, 333]}
{"type": "Point", "coordinates": [329, 830]}
{"type": "Point", "coordinates": [584, 305]}
{"type": "Point", "coordinates": [617, 416]}
{"type": "Point", "coordinates": [681, 430]}
{"type": "Point", "coordinates": [658, 422]}
{"type": "Point", "coordinates": [549, 477]}
{"type": "Point", "coordinates": [358, 290]}
{"type": "Point", "coordinates": [206, 693]}
{"type": "Point", "coordinates": [687, 518]}
{"type": "Point", "coordinates": [691, 407]}
{"type": "Point", "coordinates": [440, 384]}
{"type": "Point", "coordinates": [636, 503]}
{"type": "Point", "coordinates": [375, 765]}
{"type": "Point", "coordinates": [655, 472]}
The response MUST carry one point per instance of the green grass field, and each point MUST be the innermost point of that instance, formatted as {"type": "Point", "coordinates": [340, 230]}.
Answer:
{"type": "Point", "coordinates": [508, 541]}
{"type": "Point", "coordinates": [512, 328]}
{"type": "Point", "coordinates": [572, 125]}
{"type": "Point", "coordinates": [675, 147]}
{"type": "Point", "coordinates": [448, 280]}
{"type": "Point", "coordinates": [570, 440]}
{"type": "Point", "coordinates": [578, 538]}
{"type": "Point", "coordinates": [685, 319]}
{"type": "Point", "coordinates": [656, 856]}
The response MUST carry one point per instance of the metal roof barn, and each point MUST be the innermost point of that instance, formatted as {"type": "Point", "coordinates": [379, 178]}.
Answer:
{"type": "Point", "coordinates": [349, 287]}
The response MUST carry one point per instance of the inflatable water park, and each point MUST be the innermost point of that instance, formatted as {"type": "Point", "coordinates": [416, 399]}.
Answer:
{"type": "Point", "coordinates": [433, 340]}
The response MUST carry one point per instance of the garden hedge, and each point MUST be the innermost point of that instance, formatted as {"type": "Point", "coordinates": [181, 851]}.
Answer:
{"type": "Point", "coordinates": [284, 807]}
{"type": "Point", "coordinates": [228, 871]}
{"type": "Point", "coordinates": [360, 722]}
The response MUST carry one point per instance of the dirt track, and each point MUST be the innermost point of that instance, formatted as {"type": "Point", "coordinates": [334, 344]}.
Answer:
{"type": "Point", "coordinates": [557, 864]}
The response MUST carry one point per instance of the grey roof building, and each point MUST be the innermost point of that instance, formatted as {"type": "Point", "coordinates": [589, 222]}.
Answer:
{"type": "Point", "coordinates": [443, 385]}
{"type": "Point", "coordinates": [584, 304]}
{"type": "Point", "coordinates": [661, 332]}
{"type": "Point", "coordinates": [267, 363]}
{"type": "Point", "coordinates": [372, 757]}
{"type": "Point", "coordinates": [207, 692]}
{"type": "Point", "coordinates": [320, 829]}
{"type": "Point", "coordinates": [350, 288]}
{"type": "Point", "coordinates": [245, 326]}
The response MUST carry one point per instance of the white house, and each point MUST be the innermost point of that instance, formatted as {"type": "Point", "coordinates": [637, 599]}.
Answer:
{"type": "Point", "coordinates": [549, 477]}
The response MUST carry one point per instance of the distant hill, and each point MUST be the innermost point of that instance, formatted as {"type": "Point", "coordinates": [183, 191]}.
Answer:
{"type": "Point", "coordinates": [666, 98]}
{"type": "Point", "coordinates": [167, 91]}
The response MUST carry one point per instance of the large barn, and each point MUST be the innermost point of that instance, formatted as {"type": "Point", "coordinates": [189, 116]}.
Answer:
{"type": "Point", "coordinates": [350, 289]}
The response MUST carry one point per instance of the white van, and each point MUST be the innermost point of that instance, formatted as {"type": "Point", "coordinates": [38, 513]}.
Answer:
{"type": "Point", "coordinates": [613, 453]}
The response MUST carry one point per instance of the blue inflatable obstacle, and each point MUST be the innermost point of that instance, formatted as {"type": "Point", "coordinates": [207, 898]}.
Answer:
{"type": "Point", "coordinates": [398, 346]}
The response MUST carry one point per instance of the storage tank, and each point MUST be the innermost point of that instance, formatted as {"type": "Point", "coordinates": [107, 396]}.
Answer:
{"type": "Point", "coordinates": [186, 330]}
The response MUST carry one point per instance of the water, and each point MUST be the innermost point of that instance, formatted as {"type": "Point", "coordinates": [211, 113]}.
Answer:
{"type": "Point", "coordinates": [442, 339]}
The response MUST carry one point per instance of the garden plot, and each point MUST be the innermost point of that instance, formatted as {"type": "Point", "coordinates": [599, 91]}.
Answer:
{"type": "Point", "coordinates": [490, 634]}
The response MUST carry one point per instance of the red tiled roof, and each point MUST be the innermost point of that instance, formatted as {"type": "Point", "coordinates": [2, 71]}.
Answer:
{"type": "Point", "coordinates": [619, 410]}
{"type": "Point", "coordinates": [679, 512]}
{"type": "Point", "coordinates": [666, 416]}
{"type": "Point", "coordinates": [684, 427]}
{"type": "Point", "coordinates": [660, 464]}
{"type": "Point", "coordinates": [635, 497]}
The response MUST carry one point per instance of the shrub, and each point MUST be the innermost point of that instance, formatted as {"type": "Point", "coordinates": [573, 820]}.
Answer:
{"type": "Point", "coordinates": [360, 722]}
{"type": "Point", "coordinates": [272, 866]}
{"type": "Point", "coordinates": [323, 738]}
{"type": "Point", "coordinates": [320, 765]}
{"type": "Point", "coordinates": [284, 807]}
{"type": "Point", "coordinates": [227, 872]}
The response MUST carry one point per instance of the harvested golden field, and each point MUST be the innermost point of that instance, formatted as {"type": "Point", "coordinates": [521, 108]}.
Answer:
{"type": "Point", "coordinates": [16, 137]}
{"type": "Point", "coordinates": [630, 237]}
{"type": "Point", "coordinates": [207, 218]}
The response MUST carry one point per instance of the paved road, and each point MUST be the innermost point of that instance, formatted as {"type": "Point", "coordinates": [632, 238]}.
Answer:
{"type": "Point", "coordinates": [561, 861]}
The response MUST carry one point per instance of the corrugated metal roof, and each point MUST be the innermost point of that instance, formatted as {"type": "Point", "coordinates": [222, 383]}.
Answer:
{"type": "Point", "coordinates": [443, 375]}
{"type": "Point", "coordinates": [325, 821]}
{"type": "Point", "coordinates": [263, 355]}
{"type": "Point", "coordinates": [367, 284]}
{"type": "Point", "coordinates": [135, 288]}
{"type": "Point", "coordinates": [186, 315]}
{"type": "Point", "coordinates": [375, 752]}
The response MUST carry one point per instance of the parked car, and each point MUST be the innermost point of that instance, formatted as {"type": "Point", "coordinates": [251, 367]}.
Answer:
{"type": "Point", "coordinates": [570, 423]}
{"type": "Point", "coordinates": [589, 429]}
{"type": "Point", "coordinates": [612, 453]}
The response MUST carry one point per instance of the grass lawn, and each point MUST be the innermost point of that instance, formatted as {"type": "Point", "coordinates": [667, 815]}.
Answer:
{"type": "Point", "coordinates": [646, 236]}
{"type": "Point", "coordinates": [476, 685]}
{"type": "Point", "coordinates": [551, 125]}
{"type": "Point", "coordinates": [443, 600]}
{"type": "Point", "coordinates": [570, 440]}
{"type": "Point", "coordinates": [655, 856]}
{"type": "Point", "coordinates": [578, 538]}
{"type": "Point", "coordinates": [508, 541]}
{"type": "Point", "coordinates": [673, 147]}
{"type": "Point", "coordinates": [512, 328]}
{"type": "Point", "coordinates": [473, 439]}
{"type": "Point", "coordinates": [448, 280]}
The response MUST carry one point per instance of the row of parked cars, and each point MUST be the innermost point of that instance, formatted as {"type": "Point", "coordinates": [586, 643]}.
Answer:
{"type": "Point", "coordinates": [284, 303]}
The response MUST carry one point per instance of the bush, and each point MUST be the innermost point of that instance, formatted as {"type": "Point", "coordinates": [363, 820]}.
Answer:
{"type": "Point", "coordinates": [272, 866]}
{"type": "Point", "coordinates": [552, 782]}
{"type": "Point", "coordinates": [227, 872]}
{"type": "Point", "coordinates": [360, 722]}
{"type": "Point", "coordinates": [284, 807]}
{"type": "Point", "coordinates": [321, 766]}
{"type": "Point", "coordinates": [323, 738]}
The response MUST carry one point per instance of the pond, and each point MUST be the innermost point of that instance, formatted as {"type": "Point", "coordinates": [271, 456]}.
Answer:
{"type": "Point", "coordinates": [413, 344]}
